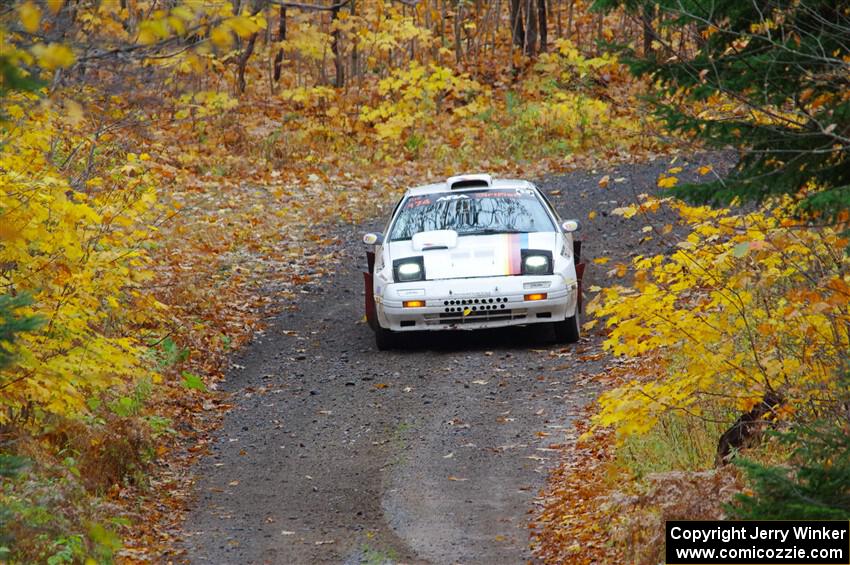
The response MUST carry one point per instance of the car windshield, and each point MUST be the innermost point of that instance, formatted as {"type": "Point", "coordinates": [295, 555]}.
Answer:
{"type": "Point", "coordinates": [481, 212]}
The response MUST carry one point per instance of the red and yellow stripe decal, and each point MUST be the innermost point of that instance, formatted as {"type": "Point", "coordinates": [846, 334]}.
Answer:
{"type": "Point", "coordinates": [514, 244]}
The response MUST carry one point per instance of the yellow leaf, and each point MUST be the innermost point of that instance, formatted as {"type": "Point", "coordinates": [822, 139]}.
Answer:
{"type": "Point", "coordinates": [184, 13]}
{"type": "Point", "coordinates": [8, 232]}
{"type": "Point", "coordinates": [591, 215]}
{"type": "Point", "coordinates": [626, 211]}
{"type": "Point", "coordinates": [73, 112]}
{"type": "Point", "coordinates": [146, 35]}
{"type": "Point", "coordinates": [242, 26]}
{"type": "Point", "coordinates": [675, 170]}
{"type": "Point", "coordinates": [704, 170]}
{"type": "Point", "coordinates": [601, 260]}
{"type": "Point", "coordinates": [177, 25]}
{"type": "Point", "coordinates": [55, 5]}
{"type": "Point", "coordinates": [603, 182]}
{"type": "Point", "coordinates": [151, 31]}
{"type": "Point", "coordinates": [667, 182]}
{"type": "Point", "coordinates": [221, 37]}
{"type": "Point", "coordinates": [53, 56]}
{"type": "Point", "coordinates": [30, 16]}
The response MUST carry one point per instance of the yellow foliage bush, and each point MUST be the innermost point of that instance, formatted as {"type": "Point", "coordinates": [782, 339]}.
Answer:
{"type": "Point", "coordinates": [748, 303]}
{"type": "Point", "coordinates": [78, 252]}
{"type": "Point", "coordinates": [308, 41]}
{"type": "Point", "coordinates": [414, 95]}
{"type": "Point", "coordinates": [566, 64]}
{"type": "Point", "coordinates": [574, 117]}
{"type": "Point", "coordinates": [567, 102]}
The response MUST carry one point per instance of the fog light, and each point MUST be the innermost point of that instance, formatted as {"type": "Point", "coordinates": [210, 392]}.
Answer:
{"type": "Point", "coordinates": [414, 303]}
{"type": "Point", "coordinates": [536, 296]}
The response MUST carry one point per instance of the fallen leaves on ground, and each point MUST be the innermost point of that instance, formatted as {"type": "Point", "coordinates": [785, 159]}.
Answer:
{"type": "Point", "coordinates": [571, 525]}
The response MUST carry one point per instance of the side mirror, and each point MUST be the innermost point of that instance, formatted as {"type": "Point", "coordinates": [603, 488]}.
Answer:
{"type": "Point", "coordinates": [570, 226]}
{"type": "Point", "coordinates": [373, 239]}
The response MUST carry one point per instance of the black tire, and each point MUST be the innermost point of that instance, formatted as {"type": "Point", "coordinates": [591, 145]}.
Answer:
{"type": "Point", "coordinates": [568, 331]}
{"type": "Point", "coordinates": [385, 339]}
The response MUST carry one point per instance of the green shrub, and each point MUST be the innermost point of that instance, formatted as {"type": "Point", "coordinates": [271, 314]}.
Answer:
{"type": "Point", "coordinates": [815, 485]}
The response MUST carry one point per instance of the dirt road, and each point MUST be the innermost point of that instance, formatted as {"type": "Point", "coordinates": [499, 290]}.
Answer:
{"type": "Point", "coordinates": [337, 453]}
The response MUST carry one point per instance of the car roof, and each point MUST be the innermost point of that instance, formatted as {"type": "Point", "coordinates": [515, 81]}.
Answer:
{"type": "Point", "coordinates": [445, 186]}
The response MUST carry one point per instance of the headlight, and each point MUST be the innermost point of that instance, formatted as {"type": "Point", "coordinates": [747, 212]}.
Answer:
{"type": "Point", "coordinates": [409, 269]}
{"type": "Point", "coordinates": [536, 262]}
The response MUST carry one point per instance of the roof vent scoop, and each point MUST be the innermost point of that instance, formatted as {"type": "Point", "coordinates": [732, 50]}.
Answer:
{"type": "Point", "coordinates": [470, 181]}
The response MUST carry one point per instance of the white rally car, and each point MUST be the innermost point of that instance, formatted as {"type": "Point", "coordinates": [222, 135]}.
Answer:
{"type": "Point", "coordinates": [473, 252]}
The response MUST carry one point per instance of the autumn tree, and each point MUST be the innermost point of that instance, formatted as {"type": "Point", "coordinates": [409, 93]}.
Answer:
{"type": "Point", "coordinates": [768, 78]}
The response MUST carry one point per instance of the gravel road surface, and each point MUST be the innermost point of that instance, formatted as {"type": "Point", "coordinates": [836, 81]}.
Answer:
{"type": "Point", "coordinates": [337, 453]}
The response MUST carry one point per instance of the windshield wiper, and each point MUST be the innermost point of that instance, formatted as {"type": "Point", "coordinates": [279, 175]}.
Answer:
{"type": "Point", "coordinates": [489, 232]}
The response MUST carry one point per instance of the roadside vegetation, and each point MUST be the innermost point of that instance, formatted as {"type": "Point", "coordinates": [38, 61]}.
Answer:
{"type": "Point", "coordinates": [165, 166]}
{"type": "Point", "coordinates": [731, 400]}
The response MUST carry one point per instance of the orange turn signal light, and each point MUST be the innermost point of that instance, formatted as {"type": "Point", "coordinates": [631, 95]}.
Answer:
{"type": "Point", "coordinates": [536, 296]}
{"type": "Point", "coordinates": [414, 303]}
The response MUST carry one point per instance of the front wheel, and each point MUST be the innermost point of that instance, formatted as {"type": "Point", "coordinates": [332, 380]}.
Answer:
{"type": "Point", "coordinates": [385, 339]}
{"type": "Point", "coordinates": [568, 331]}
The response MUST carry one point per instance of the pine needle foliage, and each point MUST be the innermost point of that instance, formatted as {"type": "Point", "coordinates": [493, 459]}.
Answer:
{"type": "Point", "coordinates": [815, 487]}
{"type": "Point", "coordinates": [12, 323]}
{"type": "Point", "coordinates": [769, 79]}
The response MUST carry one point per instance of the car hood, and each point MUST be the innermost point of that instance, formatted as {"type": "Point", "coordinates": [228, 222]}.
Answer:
{"type": "Point", "coordinates": [477, 255]}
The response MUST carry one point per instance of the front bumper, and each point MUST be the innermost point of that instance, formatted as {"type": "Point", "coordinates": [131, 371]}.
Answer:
{"type": "Point", "coordinates": [476, 303]}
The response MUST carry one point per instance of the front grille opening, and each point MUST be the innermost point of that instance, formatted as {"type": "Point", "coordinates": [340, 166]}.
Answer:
{"type": "Point", "coordinates": [455, 316]}
{"type": "Point", "coordinates": [408, 323]}
{"type": "Point", "coordinates": [474, 301]}
{"type": "Point", "coordinates": [544, 314]}
{"type": "Point", "coordinates": [484, 307]}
